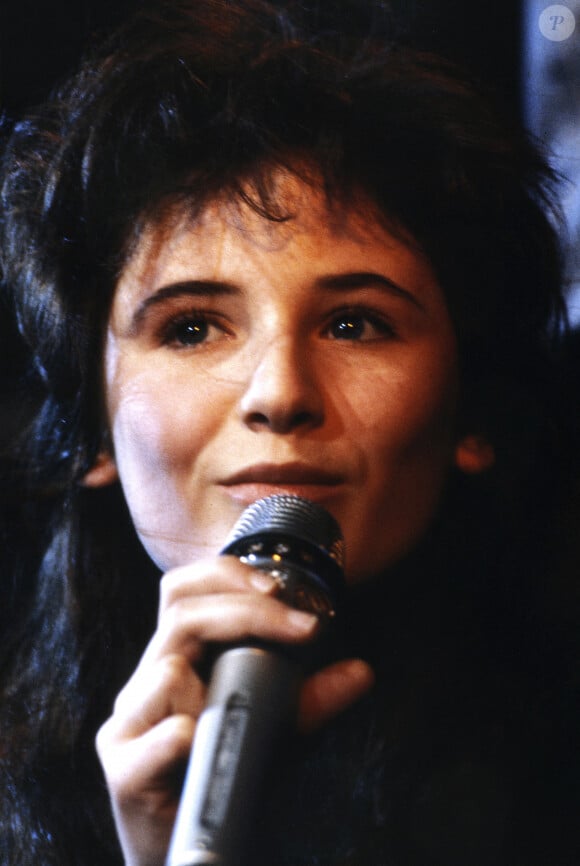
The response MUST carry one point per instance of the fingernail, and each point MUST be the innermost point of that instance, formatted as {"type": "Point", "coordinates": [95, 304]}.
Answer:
{"type": "Point", "coordinates": [302, 621]}
{"type": "Point", "coordinates": [263, 582]}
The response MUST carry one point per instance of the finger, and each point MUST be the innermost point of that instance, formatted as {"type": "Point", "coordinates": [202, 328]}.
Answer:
{"type": "Point", "coordinates": [144, 767]}
{"type": "Point", "coordinates": [169, 687]}
{"type": "Point", "coordinates": [331, 691]}
{"type": "Point", "coordinates": [186, 627]}
{"type": "Point", "coordinates": [222, 574]}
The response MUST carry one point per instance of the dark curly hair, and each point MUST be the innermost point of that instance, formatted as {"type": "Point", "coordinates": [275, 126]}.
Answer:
{"type": "Point", "coordinates": [191, 100]}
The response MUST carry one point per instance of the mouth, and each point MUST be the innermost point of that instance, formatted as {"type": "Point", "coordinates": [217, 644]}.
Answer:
{"type": "Point", "coordinates": [266, 479]}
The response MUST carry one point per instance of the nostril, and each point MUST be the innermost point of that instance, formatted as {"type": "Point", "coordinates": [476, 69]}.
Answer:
{"type": "Point", "coordinates": [279, 422]}
{"type": "Point", "coordinates": [302, 418]}
{"type": "Point", "coordinates": [282, 393]}
{"type": "Point", "coordinates": [257, 419]}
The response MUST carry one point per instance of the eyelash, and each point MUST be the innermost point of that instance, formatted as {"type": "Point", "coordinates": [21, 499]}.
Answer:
{"type": "Point", "coordinates": [378, 321]}
{"type": "Point", "coordinates": [172, 332]}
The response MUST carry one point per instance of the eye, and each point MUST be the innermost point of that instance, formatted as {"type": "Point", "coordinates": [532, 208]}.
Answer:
{"type": "Point", "coordinates": [191, 329]}
{"type": "Point", "coordinates": [359, 326]}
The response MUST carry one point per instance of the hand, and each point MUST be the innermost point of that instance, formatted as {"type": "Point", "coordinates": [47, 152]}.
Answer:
{"type": "Point", "coordinates": [145, 744]}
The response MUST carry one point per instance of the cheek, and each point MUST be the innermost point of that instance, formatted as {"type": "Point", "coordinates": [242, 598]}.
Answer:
{"type": "Point", "coordinates": [411, 411]}
{"type": "Point", "coordinates": [405, 439]}
{"type": "Point", "coordinates": [155, 424]}
{"type": "Point", "coordinates": [139, 424]}
{"type": "Point", "coordinates": [158, 435]}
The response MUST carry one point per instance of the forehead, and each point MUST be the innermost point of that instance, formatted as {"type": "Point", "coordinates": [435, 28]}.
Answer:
{"type": "Point", "coordinates": [306, 223]}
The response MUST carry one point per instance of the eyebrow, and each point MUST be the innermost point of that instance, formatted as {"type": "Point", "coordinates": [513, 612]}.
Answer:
{"type": "Point", "coordinates": [192, 288]}
{"type": "Point", "coordinates": [219, 288]}
{"type": "Point", "coordinates": [367, 279]}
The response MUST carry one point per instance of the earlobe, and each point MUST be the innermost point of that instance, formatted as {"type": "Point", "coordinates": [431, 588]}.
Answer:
{"type": "Point", "coordinates": [474, 454]}
{"type": "Point", "coordinates": [102, 472]}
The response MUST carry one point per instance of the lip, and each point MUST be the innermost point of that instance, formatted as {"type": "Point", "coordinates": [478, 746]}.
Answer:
{"type": "Point", "coordinates": [265, 479]}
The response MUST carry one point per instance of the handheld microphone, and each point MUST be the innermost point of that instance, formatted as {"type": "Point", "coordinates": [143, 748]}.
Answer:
{"type": "Point", "coordinates": [253, 690]}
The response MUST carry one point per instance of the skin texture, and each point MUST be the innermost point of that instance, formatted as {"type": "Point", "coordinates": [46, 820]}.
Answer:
{"type": "Point", "coordinates": [245, 357]}
{"type": "Point", "coordinates": [320, 345]}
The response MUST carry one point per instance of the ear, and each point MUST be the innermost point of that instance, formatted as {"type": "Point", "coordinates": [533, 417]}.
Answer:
{"type": "Point", "coordinates": [474, 454]}
{"type": "Point", "coordinates": [102, 472]}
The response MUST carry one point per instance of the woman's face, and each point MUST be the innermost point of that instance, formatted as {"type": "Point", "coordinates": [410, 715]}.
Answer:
{"type": "Point", "coordinates": [314, 356]}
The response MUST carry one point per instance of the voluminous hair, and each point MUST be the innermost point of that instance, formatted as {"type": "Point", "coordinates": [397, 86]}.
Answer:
{"type": "Point", "coordinates": [194, 100]}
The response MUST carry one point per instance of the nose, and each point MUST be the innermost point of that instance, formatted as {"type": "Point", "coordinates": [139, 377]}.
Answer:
{"type": "Point", "coordinates": [282, 393]}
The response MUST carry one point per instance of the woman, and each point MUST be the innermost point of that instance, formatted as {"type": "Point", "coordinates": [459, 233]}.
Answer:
{"type": "Point", "coordinates": [257, 248]}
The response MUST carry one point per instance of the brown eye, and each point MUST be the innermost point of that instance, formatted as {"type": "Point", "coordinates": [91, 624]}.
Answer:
{"type": "Point", "coordinates": [189, 330]}
{"type": "Point", "coordinates": [190, 333]}
{"type": "Point", "coordinates": [359, 326]}
{"type": "Point", "coordinates": [348, 328]}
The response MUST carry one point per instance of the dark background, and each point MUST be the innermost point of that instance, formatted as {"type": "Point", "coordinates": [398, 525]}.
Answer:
{"type": "Point", "coordinates": [41, 40]}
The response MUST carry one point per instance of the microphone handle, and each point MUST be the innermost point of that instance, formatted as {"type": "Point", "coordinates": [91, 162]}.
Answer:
{"type": "Point", "coordinates": [252, 698]}
{"type": "Point", "coordinates": [253, 691]}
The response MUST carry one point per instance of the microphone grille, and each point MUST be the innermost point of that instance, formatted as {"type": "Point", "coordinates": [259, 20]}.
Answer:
{"type": "Point", "coordinates": [295, 516]}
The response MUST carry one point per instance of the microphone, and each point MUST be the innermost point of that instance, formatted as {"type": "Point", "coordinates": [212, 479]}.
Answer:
{"type": "Point", "coordinates": [253, 689]}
